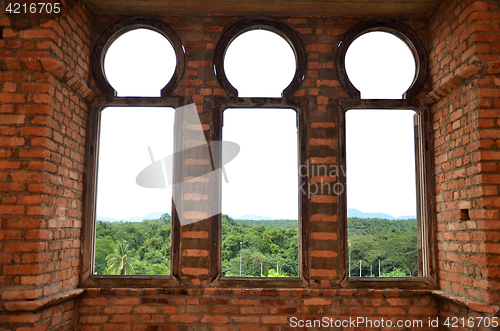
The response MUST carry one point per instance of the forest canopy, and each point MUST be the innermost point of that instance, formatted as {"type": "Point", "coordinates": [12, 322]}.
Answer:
{"type": "Point", "coordinates": [250, 248]}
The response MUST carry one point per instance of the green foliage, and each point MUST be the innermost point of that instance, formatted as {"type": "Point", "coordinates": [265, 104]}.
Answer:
{"type": "Point", "coordinates": [147, 247]}
{"type": "Point", "coordinates": [273, 273]}
{"type": "Point", "coordinates": [392, 242]}
{"type": "Point", "coordinates": [398, 272]}
{"type": "Point", "coordinates": [144, 247]}
{"type": "Point", "coordinates": [120, 262]}
{"type": "Point", "coordinates": [103, 247]}
{"type": "Point", "coordinates": [262, 245]}
{"type": "Point", "coordinates": [367, 226]}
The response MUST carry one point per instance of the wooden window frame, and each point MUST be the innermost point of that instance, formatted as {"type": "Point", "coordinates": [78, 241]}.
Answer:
{"type": "Point", "coordinates": [426, 226]}
{"type": "Point", "coordinates": [89, 230]}
{"type": "Point", "coordinates": [121, 27]}
{"type": "Point", "coordinates": [264, 23]}
{"type": "Point", "coordinates": [300, 106]}
{"type": "Point", "coordinates": [109, 99]}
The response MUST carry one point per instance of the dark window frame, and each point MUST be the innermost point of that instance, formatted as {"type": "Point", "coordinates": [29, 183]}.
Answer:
{"type": "Point", "coordinates": [109, 99]}
{"type": "Point", "coordinates": [426, 228]}
{"type": "Point", "coordinates": [401, 31]}
{"type": "Point", "coordinates": [121, 27]}
{"type": "Point", "coordinates": [265, 23]}
{"type": "Point", "coordinates": [300, 106]}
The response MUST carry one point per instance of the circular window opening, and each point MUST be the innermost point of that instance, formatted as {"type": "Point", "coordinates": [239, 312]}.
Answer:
{"type": "Point", "coordinates": [259, 63]}
{"type": "Point", "coordinates": [140, 63]}
{"type": "Point", "coordinates": [380, 65]}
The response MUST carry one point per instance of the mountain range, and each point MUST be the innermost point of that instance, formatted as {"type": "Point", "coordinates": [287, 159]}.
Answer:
{"type": "Point", "coordinates": [351, 212]}
{"type": "Point", "coordinates": [254, 218]}
{"type": "Point", "coordinates": [151, 216]}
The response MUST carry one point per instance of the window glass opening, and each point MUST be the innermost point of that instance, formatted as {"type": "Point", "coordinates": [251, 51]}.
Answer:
{"type": "Point", "coordinates": [260, 199]}
{"type": "Point", "coordinates": [381, 193]}
{"type": "Point", "coordinates": [259, 63]}
{"type": "Point", "coordinates": [140, 63]}
{"type": "Point", "coordinates": [380, 65]}
{"type": "Point", "coordinates": [133, 222]}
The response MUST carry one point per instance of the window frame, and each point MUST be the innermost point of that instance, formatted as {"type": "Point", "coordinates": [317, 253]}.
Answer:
{"type": "Point", "coordinates": [300, 106]}
{"type": "Point", "coordinates": [265, 23]}
{"type": "Point", "coordinates": [109, 99]}
{"type": "Point", "coordinates": [426, 232]}
{"type": "Point", "coordinates": [88, 279]}
{"type": "Point", "coordinates": [426, 228]}
{"type": "Point", "coordinates": [121, 27]}
{"type": "Point", "coordinates": [401, 31]}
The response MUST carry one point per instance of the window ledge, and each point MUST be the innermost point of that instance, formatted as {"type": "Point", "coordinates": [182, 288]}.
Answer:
{"type": "Point", "coordinates": [32, 305]}
{"type": "Point", "coordinates": [265, 282]}
{"type": "Point", "coordinates": [415, 283]}
{"type": "Point", "coordinates": [471, 304]}
{"type": "Point", "coordinates": [135, 281]}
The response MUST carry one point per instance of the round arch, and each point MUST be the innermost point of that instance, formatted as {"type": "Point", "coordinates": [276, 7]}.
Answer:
{"type": "Point", "coordinates": [121, 27]}
{"type": "Point", "coordinates": [399, 30]}
{"type": "Point", "coordinates": [267, 24]}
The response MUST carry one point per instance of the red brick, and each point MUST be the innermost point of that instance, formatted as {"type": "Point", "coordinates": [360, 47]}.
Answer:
{"type": "Point", "coordinates": [323, 273]}
{"type": "Point", "coordinates": [275, 319]}
{"type": "Point", "coordinates": [12, 141]}
{"type": "Point", "coordinates": [323, 218]}
{"type": "Point", "coordinates": [323, 254]}
{"type": "Point", "coordinates": [319, 48]}
{"type": "Point", "coordinates": [317, 302]}
{"type": "Point", "coordinates": [12, 119]}
{"type": "Point", "coordinates": [195, 234]}
{"type": "Point", "coordinates": [183, 318]}
{"type": "Point", "coordinates": [324, 236]}
{"type": "Point", "coordinates": [214, 319]}
{"type": "Point", "coordinates": [195, 271]}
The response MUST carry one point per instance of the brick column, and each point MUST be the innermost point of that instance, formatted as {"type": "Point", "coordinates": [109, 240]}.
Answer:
{"type": "Point", "coordinates": [464, 63]}
{"type": "Point", "coordinates": [43, 117]}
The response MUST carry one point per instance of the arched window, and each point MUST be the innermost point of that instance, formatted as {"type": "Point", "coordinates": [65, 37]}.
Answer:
{"type": "Point", "coordinates": [260, 58]}
{"type": "Point", "coordinates": [140, 63]}
{"type": "Point", "coordinates": [382, 58]}
{"type": "Point", "coordinates": [138, 57]}
{"type": "Point", "coordinates": [137, 63]}
{"type": "Point", "coordinates": [259, 63]}
{"type": "Point", "coordinates": [385, 152]}
{"type": "Point", "coordinates": [380, 65]}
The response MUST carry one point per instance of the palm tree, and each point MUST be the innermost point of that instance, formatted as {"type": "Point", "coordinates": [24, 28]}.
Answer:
{"type": "Point", "coordinates": [120, 262]}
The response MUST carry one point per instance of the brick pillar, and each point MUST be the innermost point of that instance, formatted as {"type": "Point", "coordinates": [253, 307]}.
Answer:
{"type": "Point", "coordinates": [43, 118]}
{"type": "Point", "coordinates": [464, 63]}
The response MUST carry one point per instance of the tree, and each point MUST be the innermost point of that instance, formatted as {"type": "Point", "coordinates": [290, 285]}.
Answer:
{"type": "Point", "coordinates": [103, 247]}
{"type": "Point", "coordinates": [120, 262]}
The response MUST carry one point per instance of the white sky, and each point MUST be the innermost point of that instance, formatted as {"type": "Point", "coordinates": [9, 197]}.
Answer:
{"type": "Point", "coordinates": [262, 179]}
{"type": "Point", "coordinates": [125, 137]}
{"type": "Point", "coordinates": [381, 161]}
{"type": "Point", "coordinates": [259, 56]}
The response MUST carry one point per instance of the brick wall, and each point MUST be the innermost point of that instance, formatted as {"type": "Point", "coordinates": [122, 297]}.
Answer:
{"type": "Point", "coordinates": [464, 52]}
{"type": "Point", "coordinates": [225, 309]}
{"type": "Point", "coordinates": [44, 104]}
{"type": "Point", "coordinates": [43, 117]}
{"type": "Point", "coordinates": [200, 304]}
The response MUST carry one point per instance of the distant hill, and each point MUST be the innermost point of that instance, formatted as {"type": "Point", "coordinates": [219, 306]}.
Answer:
{"type": "Point", "coordinates": [351, 212]}
{"type": "Point", "coordinates": [106, 219]}
{"type": "Point", "coordinates": [253, 218]}
{"type": "Point", "coordinates": [151, 216]}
